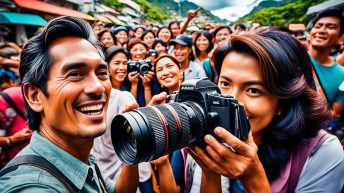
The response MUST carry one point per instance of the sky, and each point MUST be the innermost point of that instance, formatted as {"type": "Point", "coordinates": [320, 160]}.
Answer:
{"type": "Point", "coordinates": [228, 9]}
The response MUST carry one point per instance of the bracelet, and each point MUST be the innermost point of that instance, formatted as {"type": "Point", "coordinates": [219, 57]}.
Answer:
{"type": "Point", "coordinates": [8, 141]}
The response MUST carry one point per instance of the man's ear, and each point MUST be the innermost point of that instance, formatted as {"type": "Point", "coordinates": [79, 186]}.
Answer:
{"type": "Point", "coordinates": [32, 97]}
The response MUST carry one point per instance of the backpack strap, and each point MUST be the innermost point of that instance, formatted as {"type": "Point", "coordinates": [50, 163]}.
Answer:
{"type": "Point", "coordinates": [301, 155]}
{"type": "Point", "coordinates": [13, 105]}
{"type": "Point", "coordinates": [42, 163]}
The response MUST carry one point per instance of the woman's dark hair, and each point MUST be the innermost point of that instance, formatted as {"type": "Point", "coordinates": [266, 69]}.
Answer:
{"type": "Point", "coordinates": [147, 32]}
{"type": "Point", "coordinates": [157, 34]}
{"type": "Point", "coordinates": [287, 73]}
{"type": "Point", "coordinates": [36, 60]}
{"type": "Point", "coordinates": [101, 33]}
{"type": "Point", "coordinates": [173, 22]}
{"type": "Point", "coordinates": [209, 37]}
{"type": "Point", "coordinates": [159, 41]}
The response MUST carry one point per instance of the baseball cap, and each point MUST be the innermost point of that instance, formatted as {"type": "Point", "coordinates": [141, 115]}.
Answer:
{"type": "Point", "coordinates": [182, 40]}
{"type": "Point", "coordinates": [114, 50]}
{"type": "Point", "coordinates": [119, 28]}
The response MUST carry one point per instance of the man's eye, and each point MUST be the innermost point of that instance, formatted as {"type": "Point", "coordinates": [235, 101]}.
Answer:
{"type": "Point", "coordinates": [103, 73]}
{"type": "Point", "coordinates": [74, 74]}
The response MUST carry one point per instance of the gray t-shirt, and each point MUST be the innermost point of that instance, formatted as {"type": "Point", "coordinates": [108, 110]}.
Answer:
{"type": "Point", "coordinates": [194, 71]}
{"type": "Point", "coordinates": [107, 159]}
{"type": "Point", "coordinates": [322, 172]}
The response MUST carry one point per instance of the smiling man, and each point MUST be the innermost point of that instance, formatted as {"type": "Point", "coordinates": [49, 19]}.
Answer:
{"type": "Point", "coordinates": [66, 88]}
{"type": "Point", "coordinates": [326, 32]}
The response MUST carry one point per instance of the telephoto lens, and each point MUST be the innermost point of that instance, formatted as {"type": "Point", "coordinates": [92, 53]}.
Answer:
{"type": "Point", "coordinates": [147, 133]}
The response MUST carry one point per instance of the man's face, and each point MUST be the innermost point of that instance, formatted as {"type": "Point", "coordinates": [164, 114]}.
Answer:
{"type": "Point", "coordinates": [325, 32]}
{"type": "Point", "coordinates": [78, 89]}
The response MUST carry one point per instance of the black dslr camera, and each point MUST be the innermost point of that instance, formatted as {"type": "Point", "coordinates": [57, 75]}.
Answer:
{"type": "Point", "coordinates": [147, 133]}
{"type": "Point", "coordinates": [140, 66]}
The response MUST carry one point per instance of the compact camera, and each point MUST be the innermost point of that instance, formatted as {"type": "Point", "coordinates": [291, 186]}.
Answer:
{"type": "Point", "coordinates": [147, 133]}
{"type": "Point", "coordinates": [140, 66]}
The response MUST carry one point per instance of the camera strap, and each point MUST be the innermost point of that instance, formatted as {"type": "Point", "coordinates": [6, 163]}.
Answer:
{"type": "Point", "coordinates": [42, 163]}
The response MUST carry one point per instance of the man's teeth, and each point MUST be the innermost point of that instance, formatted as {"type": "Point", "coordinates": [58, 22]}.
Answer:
{"type": "Point", "coordinates": [92, 108]}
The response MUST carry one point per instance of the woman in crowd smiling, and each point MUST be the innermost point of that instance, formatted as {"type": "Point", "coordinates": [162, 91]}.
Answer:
{"type": "Point", "coordinates": [148, 37]}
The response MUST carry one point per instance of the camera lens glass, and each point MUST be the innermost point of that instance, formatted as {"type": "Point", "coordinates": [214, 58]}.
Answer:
{"type": "Point", "coordinates": [150, 132]}
{"type": "Point", "coordinates": [144, 68]}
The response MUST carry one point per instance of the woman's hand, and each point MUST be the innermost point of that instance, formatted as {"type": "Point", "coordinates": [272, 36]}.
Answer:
{"type": "Point", "coordinates": [221, 159]}
{"type": "Point", "coordinates": [160, 161]}
{"type": "Point", "coordinates": [158, 99]}
{"type": "Point", "coordinates": [147, 78]}
{"type": "Point", "coordinates": [133, 78]}
{"type": "Point", "coordinates": [193, 13]}
{"type": "Point", "coordinates": [241, 162]}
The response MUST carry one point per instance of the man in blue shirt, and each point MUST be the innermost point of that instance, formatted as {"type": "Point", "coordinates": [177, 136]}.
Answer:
{"type": "Point", "coordinates": [327, 30]}
{"type": "Point", "coordinates": [66, 87]}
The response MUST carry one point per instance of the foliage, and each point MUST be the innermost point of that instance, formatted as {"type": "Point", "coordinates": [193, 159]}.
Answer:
{"type": "Point", "coordinates": [290, 12]}
{"type": "Point", "coordinates": [113, 3]}
{"type": "Point", "coordinates": [152, 12]}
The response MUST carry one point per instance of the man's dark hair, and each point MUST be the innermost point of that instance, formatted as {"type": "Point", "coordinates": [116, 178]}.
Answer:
{"type": "Point", "coordinates": [36, 60]}
{"type": "Point", "coordinates": [328, 13]}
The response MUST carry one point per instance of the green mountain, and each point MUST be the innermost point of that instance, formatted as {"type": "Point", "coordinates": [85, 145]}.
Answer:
{"type": "Point", "coordinates": [266, 4]}
{"type": "Point", "coordinates": [287, 12]}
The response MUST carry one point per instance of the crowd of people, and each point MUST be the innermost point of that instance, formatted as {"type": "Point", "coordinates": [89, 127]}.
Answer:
{"type": "Point", "coordinates": [59, 97]}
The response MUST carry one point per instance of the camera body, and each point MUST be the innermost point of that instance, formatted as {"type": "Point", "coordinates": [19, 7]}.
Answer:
{"type": "Point", "coordinates": [151, 52]}
{"type": "Point", "coordinates": [140, 66]}
{"type": "Point", "coordinates": [147, 133]}
{"type": "Point", "coordinates": [220, 110]}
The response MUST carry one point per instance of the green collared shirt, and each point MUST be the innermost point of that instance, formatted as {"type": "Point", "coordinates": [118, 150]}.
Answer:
{"type": "Point", "coordinates": [33, 179]}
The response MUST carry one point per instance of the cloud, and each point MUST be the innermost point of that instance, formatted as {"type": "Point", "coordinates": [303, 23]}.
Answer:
{"type": "Point", "coordinates": [228, 9]}
{"type": "Point", "coordinates": [215, 4]}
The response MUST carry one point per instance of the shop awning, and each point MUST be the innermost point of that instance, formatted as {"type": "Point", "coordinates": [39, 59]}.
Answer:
{"type": "Point", "coordinates": [115, 20]}
{"type": "Point", "coordinates": [52, 9]}
{"type": "Point", "coordinates": [20, 18]}
{"type": "Point", "coordinates": [102, 18]}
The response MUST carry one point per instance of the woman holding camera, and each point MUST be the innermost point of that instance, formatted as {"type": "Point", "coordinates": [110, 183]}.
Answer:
{"type": "Point", "coordinates": [270, 74]}
{"type": "Point", "coordinates": [143, 86]}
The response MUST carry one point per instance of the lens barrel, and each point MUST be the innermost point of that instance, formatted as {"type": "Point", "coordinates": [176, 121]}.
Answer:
{"type": "Point", "coordinates": [147, 133]}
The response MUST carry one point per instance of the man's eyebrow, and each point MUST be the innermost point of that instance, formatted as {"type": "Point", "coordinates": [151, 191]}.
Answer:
{"type": "Point", "coordinates": [70, 66]}
{"type": "Point", "coordinates": [102, 65]}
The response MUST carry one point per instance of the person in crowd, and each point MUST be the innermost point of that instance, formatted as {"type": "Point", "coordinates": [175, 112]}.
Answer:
{"type": "Point", "coordinates": [221, 33]}
{"type": "Point", "coordinates": [209, 27]}
{"type": "Point", "coordinates": [8, 79]}
{"type": "Point", "coordinates": [159, 46]}
{"type": "Point", "coordinates": [168, 73]}
{"type": "Point", "coordinates": [203, 45]}
{"type": "Point", "coordinates": [143, 87]}
{"type": "Point", "coordinates": [303, 39]}
{"type": "Point", "coordinates": [106, 39]}
{"type": "Point", "coordinates": [139, 31]}
{"type": "Point", "coordinates": [270, 74]}
{"type": "Point", "coordinates": [97, 27]}
{"type": "Point", "coordinates": [165, 34]}
{"type": "Point", "coordinates": [148, 37]}
{"type": "Point", "coordinates": [117, 59]}
{"type": "Point", "coordinates": [14, 132]}
{"type": "Point", "coordinates": [121, 36]}
{"type": "Point", "coordinates": [238, 28]}
{"type": "Point", "coordinates": [107, 159]}
{"type": "Point", "coordinates": [183, 53]}
{"type": "Point", "coordinates": [63, 73]}
{"type": "Point", "coordinates": [174, 27]}
{"type": "Point", "coordinates": [326, 31]}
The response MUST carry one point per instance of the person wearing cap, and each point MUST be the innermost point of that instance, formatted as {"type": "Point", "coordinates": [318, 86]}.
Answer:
{"type": "Point", "coordinates": [121, 36]}
{"type": "Point", "coordinates": [183, 53]}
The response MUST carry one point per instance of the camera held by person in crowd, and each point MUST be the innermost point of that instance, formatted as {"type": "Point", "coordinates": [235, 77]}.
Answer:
{"type": "Point", "coordinates": [151, 52]}
{"type": "Point", "coordinates": [147, 133]}
{"type": "Point", "coordinates": [140, 66]}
